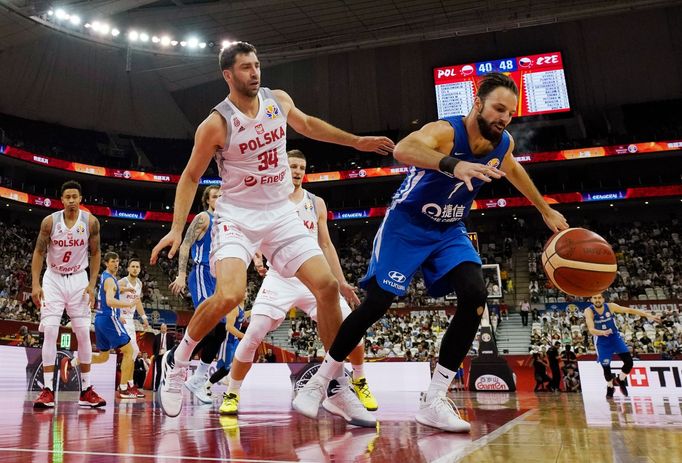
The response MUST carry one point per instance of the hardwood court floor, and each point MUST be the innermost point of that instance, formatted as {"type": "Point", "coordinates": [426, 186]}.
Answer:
{"type": "Point", "coordinates": [521, 427]}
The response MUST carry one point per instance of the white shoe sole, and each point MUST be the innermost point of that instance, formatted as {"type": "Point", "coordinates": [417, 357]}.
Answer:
{"type": "Point", "coordinates": [334, 410]}
{"type": "Point", "coordinates": [164, 376]}
{"type": "Point", "coordinates": [464, 428]}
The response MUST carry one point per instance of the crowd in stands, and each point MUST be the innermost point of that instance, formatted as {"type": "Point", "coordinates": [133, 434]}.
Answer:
{"type": "Point", "coordinates": [641, 335]}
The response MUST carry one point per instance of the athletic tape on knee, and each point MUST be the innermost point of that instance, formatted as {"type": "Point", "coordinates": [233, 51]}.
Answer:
{"type": "Point", "coordinates": [259, 327]}
{"type": "Point", "coordinates": [50, 334]}
{"type": "Point", "coordinates": [84, 344]}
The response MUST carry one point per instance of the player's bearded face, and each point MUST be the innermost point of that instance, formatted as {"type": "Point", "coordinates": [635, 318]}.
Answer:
{"type": "Point", "coordinates": [490, 130]}
{"type": "Point", "coordinates": [495, 114]}
{"type": "Point", "coordinates": [245, 75]}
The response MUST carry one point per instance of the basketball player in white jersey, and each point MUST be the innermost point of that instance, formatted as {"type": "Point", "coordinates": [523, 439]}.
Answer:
{"type": "Point", "coordinates": [65, 238]}
{"type": "Point", "coordinates": [246, 135]}
{"type": "Point", "coordinates": [278, 294]}
{"type": "Point", "coordinates": [131, 290]}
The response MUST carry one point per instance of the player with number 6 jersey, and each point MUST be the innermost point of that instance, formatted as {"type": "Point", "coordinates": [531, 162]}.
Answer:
{"type": "Point", "coordinates": [66, 238]}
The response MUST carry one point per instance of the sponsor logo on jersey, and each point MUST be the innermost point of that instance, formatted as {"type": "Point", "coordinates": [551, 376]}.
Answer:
{"type": "Point", "coordinates": [250, 180]}
{"type": "Point", "coordinates": [260, 129]}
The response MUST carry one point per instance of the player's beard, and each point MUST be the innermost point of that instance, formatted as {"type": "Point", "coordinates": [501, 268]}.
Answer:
{"type": "Point", "coordinates": [487, 131]}
{"type": "Point", "coordinates": [246, 89]}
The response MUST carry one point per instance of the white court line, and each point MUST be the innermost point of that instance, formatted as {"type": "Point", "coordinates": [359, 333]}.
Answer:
{"type": "Point", "coordinates": [483, 441]}
{"type": "Point", "coordinates": [142, 455]}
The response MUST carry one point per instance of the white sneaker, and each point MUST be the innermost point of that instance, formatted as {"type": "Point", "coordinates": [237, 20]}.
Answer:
{"type": "Point", "coordinates": [170, 389]}
{"type": "Point", "coordinates": [342, 401]}
{"type": "Point", "coordinates": [438, 411]}
{"type": "Point", "coordinates": [196, 385]}
{"type": "Point", "coordinates": [309, 397]}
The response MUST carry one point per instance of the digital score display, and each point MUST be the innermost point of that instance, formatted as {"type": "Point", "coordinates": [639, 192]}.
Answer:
{"type": "Point", "coordinates": [540, 79]}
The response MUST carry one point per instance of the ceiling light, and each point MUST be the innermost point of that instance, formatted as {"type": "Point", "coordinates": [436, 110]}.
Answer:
{"type": "Point", "coordinates": [133, 36]}
{"type": "Point", "coordinates": [144, 37]}
{"type": "Point", "coordinates": [174, 42]}
{"type": "Point", "coordinates": [104, 28]}
{"type": "Point", "coordinates": [192, 42]}
{"type": "Point", "coordinates": [75, 20]}
{"type": "Point", "coordinates": [155, 39]}
{"type": "Point", "coordinates": [61, 14]}
{"type": "Point", "coordinates": [96, 26]}
{"type": "Point", "coordinates": [115, 32]}
{"type": "Point", "coordinates": [202, 45]}
{"type": "Point", "coordinates": [183, 44]}
{"type": "Point", "coordinates": [165, 41]}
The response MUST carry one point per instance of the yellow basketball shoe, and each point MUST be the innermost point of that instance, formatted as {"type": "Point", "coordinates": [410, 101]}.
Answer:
{"type": "Point", "coordinates": [364, 394]}
{"type": "Point", "coordinates": [230, 405]}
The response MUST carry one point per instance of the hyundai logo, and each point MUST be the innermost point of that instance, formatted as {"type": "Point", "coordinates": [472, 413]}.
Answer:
{"type": "Point", "coordinates": [396, 276]}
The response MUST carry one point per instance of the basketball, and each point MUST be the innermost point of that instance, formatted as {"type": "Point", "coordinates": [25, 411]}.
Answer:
{"type": "Point", "coordinates": [579, 262]}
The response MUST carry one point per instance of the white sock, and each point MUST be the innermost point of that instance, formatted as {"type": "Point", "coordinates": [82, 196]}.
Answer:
{"type": "Point", "coordinates": [622, 376]}
{"type": "Point", "coordinates": [124, 386]}
{"type": "Point", "coordinates": [184, 350]}
{"type": "Point", "coordinates": [440, 382]}
{"type": "Point", "coordinates": [202, 369]}
{"type": "Point", "coordinates": [234, 386]}
{"type": "Point", "coordinates": [131, 383]}
{"type": "Point", "coordinates": [48, 379]}
{"type": "Point", "coordinates": [358, 371]}
{"type": "Point", "coordinates": [610, 383]}
{"type": "Point", "coordinates": [74, 362]}
{"type": "Point", "coordinates": [330, 368]}
{"type": "Point", "coordinates": [85, 380]}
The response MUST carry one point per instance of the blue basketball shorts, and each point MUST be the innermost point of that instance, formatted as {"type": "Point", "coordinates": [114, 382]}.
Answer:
{"type": "Point", "coordinates": [402, 246]}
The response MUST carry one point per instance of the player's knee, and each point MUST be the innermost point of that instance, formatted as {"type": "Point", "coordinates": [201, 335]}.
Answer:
{"type": "Point", "coordinates": [627, 363]}
{"type": "Point", "coordinates": [228, 298]}
{"type": "Point", "coordinates": [247, 348]}
{"type": "Point", "coordinates": [467, 279]}
{"type": "Point", "coordinates": [327, 288]}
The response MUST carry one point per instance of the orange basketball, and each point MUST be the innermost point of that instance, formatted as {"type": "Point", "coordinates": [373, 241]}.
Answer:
{"type": "Point", "coordinates": [579, 262]}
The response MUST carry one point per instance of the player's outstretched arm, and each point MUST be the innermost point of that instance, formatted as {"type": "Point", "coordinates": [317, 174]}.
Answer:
{"type": "Point", "coordinates": [198, 226]}
{"type": "Point", "coordinates": [317, 129]}
{"type": "Point", "coordinates": [429, 148]}
{"type": "Point", "coordinates": [210, 135]}
{"type": "Point", "coordinates": [518, 177]}
{"type": "Point", "coordinates": [329, 251]}
{"type": "Point", "coordinates": [39, 252]}
{"type": "Point", "coordinates": [629, 310]}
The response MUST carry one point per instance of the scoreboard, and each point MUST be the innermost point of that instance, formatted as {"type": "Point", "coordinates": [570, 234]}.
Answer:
{"type": "Point", "coordinates": [540, 79]}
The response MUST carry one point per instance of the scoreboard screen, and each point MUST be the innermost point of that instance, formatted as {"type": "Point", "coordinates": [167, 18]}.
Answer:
{"type": "Point", "coordinates": [540, 78]}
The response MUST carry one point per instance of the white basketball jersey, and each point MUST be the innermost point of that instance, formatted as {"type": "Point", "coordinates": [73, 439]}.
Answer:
{"type": "Point", "coordinates": [68, 248]}
{"type": "Point", "coordinates": [308, 212]}
{"type": "Point", "coordinates": [129, 313]}
{"type": "Point", "coordinates": [253, 164]}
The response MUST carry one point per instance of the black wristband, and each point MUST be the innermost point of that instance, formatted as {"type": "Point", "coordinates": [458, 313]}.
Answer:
{"type": "Point", "coordinates": [447, 165]}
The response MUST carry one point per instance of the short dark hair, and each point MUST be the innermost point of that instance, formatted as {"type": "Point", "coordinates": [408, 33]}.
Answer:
{"type": "Point", "coordinates": [109, 256]}
{"type": "Point", "coordinates": [228, 55]}
{"type": "Point", "coordinates": [71, 185]}
{"type": "Point", "coordinates": [134, 259]}
{"type": "Point", "coordinates": [493, 80]}
{"type": "Point", "coordinates": [206, 194]}
{"type": "Point", "coordinates": [296, 154]}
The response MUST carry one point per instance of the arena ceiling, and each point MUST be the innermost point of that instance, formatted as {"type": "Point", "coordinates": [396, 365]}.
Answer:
{"type": "Point", "coordinates": [288, 30]}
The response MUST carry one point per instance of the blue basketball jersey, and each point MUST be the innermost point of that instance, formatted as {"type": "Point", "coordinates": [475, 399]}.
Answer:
{"type": "Point", "coordinates": [104, 310]}
{"type": "Point", "coordinates": [201, 249]}
{"type": "Point", "coordinates": [604, 321]}
{"type": "Point", "coordinates": [237, 324]}
{"type": "Point", "coordinates": [434, 196]}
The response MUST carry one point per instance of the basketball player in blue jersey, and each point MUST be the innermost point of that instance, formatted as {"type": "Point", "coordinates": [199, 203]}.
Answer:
{"type": "Point", "coordinates": [197, 243]}
{"type": "Point", "coordinates": [109, 331]}
{"type": "Point", "coordinates": [451, 159]}
{"type": "Point", "coordinates": [607, 341]}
